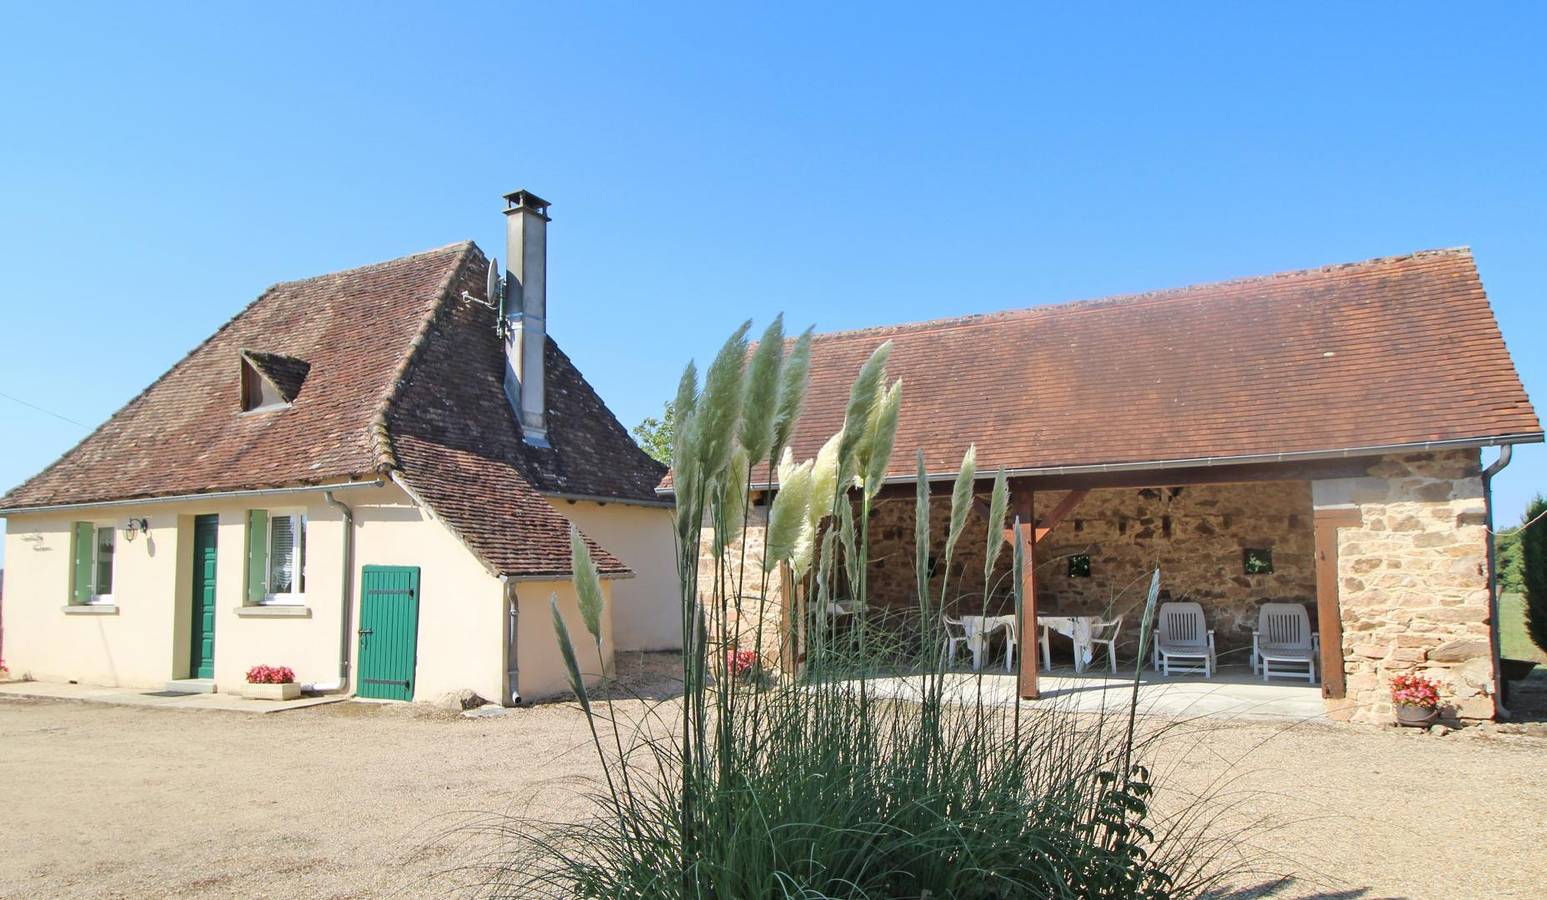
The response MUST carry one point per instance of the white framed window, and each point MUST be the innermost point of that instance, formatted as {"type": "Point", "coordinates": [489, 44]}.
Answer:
{"type": "Point", "coordinates": [93, 547]}
{"type": "Point", "coordinates": [286, 581]}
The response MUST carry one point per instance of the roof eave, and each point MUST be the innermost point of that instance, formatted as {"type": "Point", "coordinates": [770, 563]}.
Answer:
{"type": "Point", "coordinates": [197, 496]}
{"type": "Point", "coordinates": [601, 498]}
{"type": "Point", "coordinates": [1199, 462]}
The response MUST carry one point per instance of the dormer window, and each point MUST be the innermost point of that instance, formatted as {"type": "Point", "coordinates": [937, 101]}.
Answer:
{"type": "Point", "coordinates": [270, 380]}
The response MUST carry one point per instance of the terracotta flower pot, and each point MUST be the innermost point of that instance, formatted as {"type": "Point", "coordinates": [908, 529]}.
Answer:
{"type": "Point", "coordinates": [1416, 716]}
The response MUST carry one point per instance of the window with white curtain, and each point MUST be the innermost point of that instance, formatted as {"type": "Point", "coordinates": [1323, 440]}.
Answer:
{"type": "Point", "coordinates": [102, 565]}
{"type": "Point", "coordinates": [287, 557]}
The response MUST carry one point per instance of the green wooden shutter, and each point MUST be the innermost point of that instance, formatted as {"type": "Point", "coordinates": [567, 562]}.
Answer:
{"type": "Point", "coordinates": [389, 632]}
{"type": "Point", "coordinates": [83, 534]}
{"type": "Point", "coordinates": [257, 555]}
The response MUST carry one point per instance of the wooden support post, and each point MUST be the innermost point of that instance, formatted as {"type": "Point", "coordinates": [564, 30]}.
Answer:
{"type": "Point", "coordinates": [790, 621]}
{"type": "Point", "coordinates": [1329, 614]}
{"type": "Point", "coordinates": [1023, 508]}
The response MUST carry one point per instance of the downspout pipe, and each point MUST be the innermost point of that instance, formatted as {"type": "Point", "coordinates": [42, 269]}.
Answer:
{"type": "Point", "coordinates": [346, 591]}
{"type": "Point", "coordinates": [512, 641]}
{"type": "Point", "coordinates": [1501, 694]}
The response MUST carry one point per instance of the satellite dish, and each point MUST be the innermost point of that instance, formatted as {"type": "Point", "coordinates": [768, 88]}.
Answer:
{"type": "Point", "coordinates": [493, 287]}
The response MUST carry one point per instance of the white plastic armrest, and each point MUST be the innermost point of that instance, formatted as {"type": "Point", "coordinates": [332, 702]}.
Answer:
{"type": "Point", "coordinates": [1316, 642]}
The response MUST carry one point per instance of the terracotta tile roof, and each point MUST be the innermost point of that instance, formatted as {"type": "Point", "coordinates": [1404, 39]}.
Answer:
{"type": "Point", "coordinates": [399, 374]}
{"type": "Point", "coordinates": [1391, 351]}
{"type": "Point", "coordinates": [459, 445]}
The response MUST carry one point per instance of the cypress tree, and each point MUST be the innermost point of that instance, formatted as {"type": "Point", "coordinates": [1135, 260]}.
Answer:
{"type": "Point", "coordinates": [1533, 564]}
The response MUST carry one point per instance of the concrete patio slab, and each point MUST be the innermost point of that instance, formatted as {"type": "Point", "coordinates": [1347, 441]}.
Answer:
{"type": "Point", "coordinates": [1230, 694]}
{"type": "Point", "coordinates": [162, 699]}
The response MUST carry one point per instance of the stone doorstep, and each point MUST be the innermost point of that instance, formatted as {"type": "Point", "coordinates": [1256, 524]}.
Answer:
{"type": "Point", "coordinates": [179, 700]}
{"type": "Point", "coordinates": [191, 686]}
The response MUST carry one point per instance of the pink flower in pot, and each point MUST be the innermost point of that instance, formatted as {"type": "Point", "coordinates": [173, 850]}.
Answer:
{"type": "Point", "coordinates": [741, 662]}
{"type": "Point", "coordinates": [1416, 698]}
{"type": "Point", "coordinates": [270, 675]}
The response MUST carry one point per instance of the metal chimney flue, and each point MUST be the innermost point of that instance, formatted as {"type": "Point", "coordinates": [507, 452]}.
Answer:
{"type": "Point", "coordinates": [526, 311]}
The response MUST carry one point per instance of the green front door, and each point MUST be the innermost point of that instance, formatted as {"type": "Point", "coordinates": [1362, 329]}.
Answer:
{"type": "Point", "coordinates": [201, 649]}
{"type": "Point", "coordinates": [389, 632]}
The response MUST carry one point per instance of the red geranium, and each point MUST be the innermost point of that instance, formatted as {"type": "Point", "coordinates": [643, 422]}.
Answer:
{"type": "Point", "coordinates": [1415, 690]}
{"type": "Point", "coordinates": [740, 662]}
{"type": "Point", "coordinates": [270, 675]}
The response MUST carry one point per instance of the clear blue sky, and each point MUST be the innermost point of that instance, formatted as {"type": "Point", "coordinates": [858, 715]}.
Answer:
{"type": "Point", "coordinates": [850, 167]}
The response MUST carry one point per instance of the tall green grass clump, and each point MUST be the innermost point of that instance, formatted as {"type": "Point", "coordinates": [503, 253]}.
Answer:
{"type": "Point", "coordinates": [801, 778]}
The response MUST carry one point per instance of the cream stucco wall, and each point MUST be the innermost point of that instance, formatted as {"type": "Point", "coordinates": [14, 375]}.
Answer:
{"type": "Point", "coordinates": [134, 646]}
{"type": "Point", "coordinates": [542, 673]}
{"type": "Point", "coordinates": [144, 643]}
{"type": "Point", "coordinates": [647, 613]}
{"type": "Point", "coordinates": [461, 608]}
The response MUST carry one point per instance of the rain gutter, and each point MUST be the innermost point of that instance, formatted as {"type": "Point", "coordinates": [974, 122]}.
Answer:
{"type": "Point", "coordinates": [184, 498]}
{"type": "Point", "coordinates": [1501, 693]}
{"type": "Point", "coordinates": [1201, 462]}
{"type": "Point", "coordinates": [512, 642]}
{"type": "Point", "coordinates": [346, 591]}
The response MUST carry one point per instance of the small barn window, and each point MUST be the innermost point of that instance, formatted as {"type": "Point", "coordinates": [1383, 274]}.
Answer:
{"type": "Point", "coordinates": [1258, 561]}
{"type": "Point", "coordinates": [1079, 565]}
{"type": "Point", "coordinates": [270, 380]}
{"type": "Point", "coordinates": [258, 392]}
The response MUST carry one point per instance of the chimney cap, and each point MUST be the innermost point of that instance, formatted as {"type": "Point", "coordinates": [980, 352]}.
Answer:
{"type": "Point", "coordinates": [526, 200]}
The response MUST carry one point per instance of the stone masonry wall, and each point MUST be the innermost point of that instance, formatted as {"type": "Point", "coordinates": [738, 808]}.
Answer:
{"type": "Point", "coordinates": [1196, 535]}
{"type": "Point", "coordinates": [1413, 584]}
{"type": "Point", "coordinates": [747, 616]}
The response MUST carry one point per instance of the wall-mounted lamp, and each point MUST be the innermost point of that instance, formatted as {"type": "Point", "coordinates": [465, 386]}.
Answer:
{"type": "Point", "coordinates": [133, 527]}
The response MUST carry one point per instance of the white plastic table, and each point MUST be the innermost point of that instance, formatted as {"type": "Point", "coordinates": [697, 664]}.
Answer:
{"type": "Point", "coordinates": [1076, 629]}
{"type": "Point", "coordinates": [979, 628]}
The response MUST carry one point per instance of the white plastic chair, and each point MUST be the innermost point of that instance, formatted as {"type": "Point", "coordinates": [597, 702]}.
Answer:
{"type": "Point", "coordinates": [1284, 637]}
{"type": "Point", "coordinates": [1182, 634]}
{"type": "Point", "coordinates": [1011, 643]}
{"type": "Point", "coordinates": [1100, 635]}
{"type": "Point", "coordinates": [955, 635]}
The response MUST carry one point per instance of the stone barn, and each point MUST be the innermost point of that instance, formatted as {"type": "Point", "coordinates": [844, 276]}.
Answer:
{"type": "Point", "coordinates": [1312, 437]}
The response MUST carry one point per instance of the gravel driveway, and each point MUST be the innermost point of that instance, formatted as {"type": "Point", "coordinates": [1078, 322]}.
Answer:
{"type": "Point", "coordinates": [356, 799]}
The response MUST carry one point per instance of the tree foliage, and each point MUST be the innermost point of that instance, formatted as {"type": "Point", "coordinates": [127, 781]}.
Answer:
{"type": "Point", "coordinates": [1533, 570]}
{"type": "Point", "coordinates": [1506, 556]}
{"type": "Point", "coordinates": [656, 436]}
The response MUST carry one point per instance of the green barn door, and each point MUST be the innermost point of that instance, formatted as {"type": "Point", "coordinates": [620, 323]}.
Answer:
{"type": "Point", "coordinates": [201, 652]}
{"type": "Point", "coordinates": [389, 632]}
